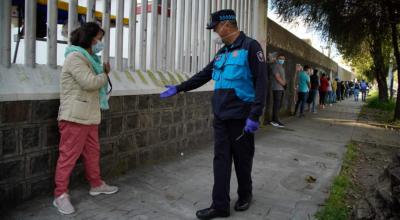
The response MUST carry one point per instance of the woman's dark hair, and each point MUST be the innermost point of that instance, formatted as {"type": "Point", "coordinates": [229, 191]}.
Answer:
{"type": "Point", "coordinates": [83, 36]}
{"type": "Point", "coordinates": [315, 71]}
{"type": "Point", "coordinates": [306, 67]}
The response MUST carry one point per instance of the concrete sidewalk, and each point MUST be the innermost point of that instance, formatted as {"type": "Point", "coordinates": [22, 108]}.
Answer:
{"type": "Point", "coordinates": [310, 146]}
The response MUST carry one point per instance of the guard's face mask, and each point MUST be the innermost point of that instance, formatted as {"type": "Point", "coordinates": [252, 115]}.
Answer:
{"type": "Point", "coordinates": [216, 37]}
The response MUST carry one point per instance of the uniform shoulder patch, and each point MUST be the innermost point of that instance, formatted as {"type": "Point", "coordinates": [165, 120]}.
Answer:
{"type": "Point", "coordinates": [235, 53]}
{"type": "Point", "coordinates": [260, 56]}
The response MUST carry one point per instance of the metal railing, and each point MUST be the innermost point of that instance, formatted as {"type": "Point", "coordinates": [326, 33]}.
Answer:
{"type": "Point", "coordinates": [177, 42]}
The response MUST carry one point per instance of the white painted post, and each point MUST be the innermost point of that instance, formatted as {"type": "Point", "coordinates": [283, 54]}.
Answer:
{"type": "Point", "coordinates": [52, 17]}
{"type": "Point", "coordinates": [229, 4]}
{"type": "Point", "coordinates": [119, 35]}
{"type": "Point", "coordinates": [106, 28]}
{"type": "Point", "coordinates": [201, 32]}
{"type": "Point", "coordinates": [154, 35]}
{"type": "Point", "coordinates": [72, 17]}
{"type": "Point", "coordinates": [30, 33]}
{"type": "Point", "coordinates": [163, 48]}
{"type": "Point", "coordinates": [143, 36]}
{"type": "Point", "coordinates": [188, 24]}
{"type": "Point", "coordinates": [260, 22]}
{"type": "Point", "coordinates": [213, 45]}
{"type": "Point", "coordinates": [245, 15]}
{"type": "Point", "coordinates": [172, 36]}
{"type": "Point", "coordinates": [237, 10]}
{"type": "Point", "coordinates": [132, 36]}
{"type": "Point", "coordinates": [90, 10]}
{"type": "Point", "coordinates": [5, 38]}
{"type": "Point", "coordinates": [256, 17]}
{"type": "Point", "coordinates": [181, 36]}
{"type": "Point", "coordinates": [242, 14]}
{"type": "Point", "coordinates": [249, 17]}
{"type": "Point", "coordinates": [207, 36]}
{"type": "Point", "coordinates": [223, 4]}
{"type": "Point", "coordinates": [195, 33]}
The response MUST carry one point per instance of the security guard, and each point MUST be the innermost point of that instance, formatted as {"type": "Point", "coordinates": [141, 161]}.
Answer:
{"type": "Point", "coordinates": [239, 72]}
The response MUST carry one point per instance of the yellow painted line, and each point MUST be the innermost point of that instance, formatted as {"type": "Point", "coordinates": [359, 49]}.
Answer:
{"type": "Point", "coordinates": [140, 74]}
{"type": "Point", "coordinates": [154, 79]}
{"type": "Point", "coordinates": [129, 76]}
{"type": "Point", "coordinates": [81, 10]}
{"type": "Point", "coordinates": [115, 74]}
{"type": "Point", "coordinates": [162, 77]}
{"type": "Point", "coordinates": [172, 78]}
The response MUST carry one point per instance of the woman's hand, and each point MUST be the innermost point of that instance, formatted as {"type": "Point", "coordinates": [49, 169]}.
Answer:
{"type": "Point", "coordinates": [106, 67]}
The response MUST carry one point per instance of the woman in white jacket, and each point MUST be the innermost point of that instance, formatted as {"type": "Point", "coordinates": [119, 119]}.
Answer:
{"type": "Point", "coordinates": [83, 88]}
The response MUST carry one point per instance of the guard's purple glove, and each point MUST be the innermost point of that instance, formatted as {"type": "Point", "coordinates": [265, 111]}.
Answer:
{"type": "Point", "coordinates": [169, 92]}
{"type": "Point", "coordinates": [251, 126]}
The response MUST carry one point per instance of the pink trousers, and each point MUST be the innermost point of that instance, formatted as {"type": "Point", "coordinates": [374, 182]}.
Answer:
{"type": "Point", "coordinates": [76, 140]}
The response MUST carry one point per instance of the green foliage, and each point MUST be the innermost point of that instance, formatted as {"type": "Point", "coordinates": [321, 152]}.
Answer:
{"type": "Point", "coordinates": [374, 102]}
{"type": "Point", "coordinates": [336, 206]}
{"type": "Point", "coordinates": [362, 63]}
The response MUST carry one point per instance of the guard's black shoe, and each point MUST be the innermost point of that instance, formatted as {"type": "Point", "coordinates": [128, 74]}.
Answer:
{"type": "Point", "coordinates": [210, 213]}
{"type": "Point", "coordinates": [243, 204]}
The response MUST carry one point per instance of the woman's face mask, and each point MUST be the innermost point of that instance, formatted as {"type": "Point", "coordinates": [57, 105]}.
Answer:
{"type": "Point", "coordinates": [98, 47]}
{"type": "Point", "coordinates": [280, 61]}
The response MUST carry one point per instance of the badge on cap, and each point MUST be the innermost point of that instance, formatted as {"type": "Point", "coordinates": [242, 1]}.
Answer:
{"type": "Point", "coordinates": [260, 56]}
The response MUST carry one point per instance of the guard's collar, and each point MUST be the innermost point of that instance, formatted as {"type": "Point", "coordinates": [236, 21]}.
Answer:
{"type": "Point", "coordinates": [237, 43]}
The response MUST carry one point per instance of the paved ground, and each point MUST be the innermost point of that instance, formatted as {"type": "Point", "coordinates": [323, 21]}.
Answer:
{"type": "Point", "coordinates": [311, 146]}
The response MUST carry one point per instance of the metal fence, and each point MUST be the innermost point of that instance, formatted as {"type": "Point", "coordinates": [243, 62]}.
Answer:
{"type": "Point", "coordinates": [177, 42]}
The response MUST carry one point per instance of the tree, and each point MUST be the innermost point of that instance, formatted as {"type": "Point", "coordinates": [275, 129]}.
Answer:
{"type": "Point", "coordinates": [393, 9]}
{"type": "Point", "coordinates": [350, 24]}
{"type": "Point", "coordinates": [362, 63]}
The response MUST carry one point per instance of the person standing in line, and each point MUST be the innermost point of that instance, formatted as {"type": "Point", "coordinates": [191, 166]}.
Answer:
{"type": "Point", "coordinates": [343, 91]}
{"type": "Point", "coordinates": [311, 100]}
{"type": "Point", "coordinates": [239, 71]}
{"type": "Point", "coordinates": [347, 84]}
{"type": "Point", "coordinates": [303, 89]}
{"type": "Point", "coordinates": [356, 91]}
{"type": "Point", "coordinates": [334, 89]}
{"type": "Point", "coordinates": [323, 90]}
{"type": "Point", "coordinates": [278, 89]}
{"type": "Point", "coordinates": [339, 90]}
{"type": "Point", "coordinates": [363, 87]}
{"type": "Point", "coordinates": [329, 94]}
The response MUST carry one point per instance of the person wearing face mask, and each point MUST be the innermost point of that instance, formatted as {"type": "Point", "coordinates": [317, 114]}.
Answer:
{"type": "Point", "coordinates": [239, 71]}
{"type": "Point", "coordinates": [303, 89]}
{"type": "Point", "coordinates": [83, 93]}
{"type": "Point", "coordinates": [278, 89]}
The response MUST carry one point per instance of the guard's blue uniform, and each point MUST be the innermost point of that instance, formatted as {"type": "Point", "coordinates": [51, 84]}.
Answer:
{"type": "Point", "coordinates": [239, 71]}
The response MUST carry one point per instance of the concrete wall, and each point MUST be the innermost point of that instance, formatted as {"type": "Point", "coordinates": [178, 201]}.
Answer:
{"type": "Point", "coordinates": [278, 37]}
{"type": "Point", "coordinates": [137, 130]}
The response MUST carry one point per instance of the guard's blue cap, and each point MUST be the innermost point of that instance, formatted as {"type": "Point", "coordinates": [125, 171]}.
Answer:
{"type": "Point", "coordinates": [222, 15]}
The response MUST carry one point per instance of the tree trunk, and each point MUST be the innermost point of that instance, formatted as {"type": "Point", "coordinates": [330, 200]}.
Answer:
{"type": "Point", "coordinates": [379, 69]}
{"type": "Point", "coordinates": [397, 56]}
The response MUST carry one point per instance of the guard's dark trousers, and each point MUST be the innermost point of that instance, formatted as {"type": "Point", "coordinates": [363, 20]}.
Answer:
{"type": "Point", "coordinates": [227, 147]}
